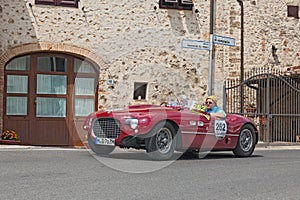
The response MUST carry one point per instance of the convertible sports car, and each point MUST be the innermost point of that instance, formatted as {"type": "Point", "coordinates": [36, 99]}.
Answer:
{"type": "Point", "coordinates": [161, 130]}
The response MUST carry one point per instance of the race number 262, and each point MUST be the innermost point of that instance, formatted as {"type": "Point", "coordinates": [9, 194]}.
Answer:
{"type": "Point", "coordinates": [220, 126]}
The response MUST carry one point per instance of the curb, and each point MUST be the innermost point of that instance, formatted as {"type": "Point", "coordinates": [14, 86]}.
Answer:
{"type": "Point", "coordinates": [277, 146]}
{"type": "Point", "coordinates": [296, 147]}
{"type": "Point", "coordinates": [259, 146]}
{"type": "Point", "coordinates": [13, 147]}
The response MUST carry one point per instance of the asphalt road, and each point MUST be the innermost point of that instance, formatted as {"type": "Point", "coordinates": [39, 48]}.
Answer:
{"type": "Point", "coordinates": [54, 173]}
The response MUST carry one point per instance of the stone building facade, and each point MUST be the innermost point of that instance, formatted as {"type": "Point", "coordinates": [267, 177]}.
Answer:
{"type": "Point", "coordinates": [134, 43]}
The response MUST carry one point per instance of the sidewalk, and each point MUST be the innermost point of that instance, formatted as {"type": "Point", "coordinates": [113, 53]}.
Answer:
{"type": "Point", "coordinates": [259, 146]}
{"type": "Point", "coordinates": [7, 147]}
{"type": "Point", "coordinates": [277, 146]}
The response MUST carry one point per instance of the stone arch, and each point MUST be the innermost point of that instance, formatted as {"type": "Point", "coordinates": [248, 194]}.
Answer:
{"type": "Point", "coordinates": [49, 47]}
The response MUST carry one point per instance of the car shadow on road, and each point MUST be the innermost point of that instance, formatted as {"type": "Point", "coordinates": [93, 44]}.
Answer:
{"type": "Point", "coordinates": [142, 155]}
{"type": "Point", "coordinates": [212, 155]}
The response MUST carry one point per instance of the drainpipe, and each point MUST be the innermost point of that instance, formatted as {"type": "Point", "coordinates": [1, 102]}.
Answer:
{"type": "Point", "coordinates": [242, 55]}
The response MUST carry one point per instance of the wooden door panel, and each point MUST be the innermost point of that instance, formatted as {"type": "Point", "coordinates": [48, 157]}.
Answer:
{"type": "Point", "coordinates": [50, 132]}
{"type": "Point", "coordinates": [78, 132]}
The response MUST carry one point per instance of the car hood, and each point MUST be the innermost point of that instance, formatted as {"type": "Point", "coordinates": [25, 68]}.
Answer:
{"type": "Point", "coordinates": [142, 108]}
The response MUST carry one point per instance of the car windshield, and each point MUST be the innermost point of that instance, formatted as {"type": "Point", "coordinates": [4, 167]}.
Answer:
{"type": "Point", "coordinates": [183, 101]}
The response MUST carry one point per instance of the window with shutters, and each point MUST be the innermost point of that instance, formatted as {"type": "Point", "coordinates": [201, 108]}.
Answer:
{"type": "Point", "coordinates": [176, 4]}
{"type": "Point", "coordinates": [67, 3]}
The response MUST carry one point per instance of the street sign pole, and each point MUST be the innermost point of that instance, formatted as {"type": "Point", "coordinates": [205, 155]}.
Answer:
{"type": "Point", "coordinates": [211, 65]}
{"type": "Point", "coordinates": [202, 45]}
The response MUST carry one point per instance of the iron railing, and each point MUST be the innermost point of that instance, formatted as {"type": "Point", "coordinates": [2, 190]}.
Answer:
{"type": "Point", "coordinates": [271, 100]}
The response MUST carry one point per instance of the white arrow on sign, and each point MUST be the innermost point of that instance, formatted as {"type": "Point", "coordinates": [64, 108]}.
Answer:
{"type": "Point", "coordinates": [195, 44]}
{"type": "Point", "coordinates": [224, 40]}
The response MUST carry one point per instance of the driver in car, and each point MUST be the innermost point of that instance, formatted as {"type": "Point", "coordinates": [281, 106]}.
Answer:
{"type": "Point", "coordinates": [212, 108]}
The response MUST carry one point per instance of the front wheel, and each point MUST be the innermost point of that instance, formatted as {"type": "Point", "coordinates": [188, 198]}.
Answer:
{"type": "Point", "coordinates": [162, 144]}
{"type": "Point", "coordinates": [100, 149]}
{"type": "Point", "coordinates": [246, 142]}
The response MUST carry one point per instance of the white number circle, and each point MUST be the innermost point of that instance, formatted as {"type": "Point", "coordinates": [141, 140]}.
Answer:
{"type": "Point", "coordinates": [220, 128]}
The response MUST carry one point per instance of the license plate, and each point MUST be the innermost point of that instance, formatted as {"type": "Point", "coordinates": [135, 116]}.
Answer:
{"type": "Point", "coordinates": [105, 141]}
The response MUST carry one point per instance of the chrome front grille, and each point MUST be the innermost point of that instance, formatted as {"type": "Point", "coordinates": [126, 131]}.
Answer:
{"type": "Point", "coordinates": [106, 128]}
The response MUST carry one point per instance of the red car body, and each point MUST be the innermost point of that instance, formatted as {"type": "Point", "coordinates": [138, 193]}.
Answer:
{"type": "Point", "coordinates": [168, 128]}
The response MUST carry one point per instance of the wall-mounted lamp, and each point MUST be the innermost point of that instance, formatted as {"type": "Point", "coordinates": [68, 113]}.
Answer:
{"type": "Point", "coordinates": [30, 6]}
{"type": "Point", "coordinates": [84, 11]}
{"type": "Point", "coordinates": [275, 56]}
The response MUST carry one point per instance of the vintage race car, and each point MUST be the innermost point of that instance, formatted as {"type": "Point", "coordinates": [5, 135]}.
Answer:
{"type": "Point", "coordinates": [162, 130]}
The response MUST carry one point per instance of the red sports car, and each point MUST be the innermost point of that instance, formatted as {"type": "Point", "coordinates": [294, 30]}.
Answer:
{"type": "Point", "coordinates": [161, 130]}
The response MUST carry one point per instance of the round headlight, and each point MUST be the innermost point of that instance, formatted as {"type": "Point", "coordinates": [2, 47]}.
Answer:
{"type": "Point", "coordinates": [134, 123]}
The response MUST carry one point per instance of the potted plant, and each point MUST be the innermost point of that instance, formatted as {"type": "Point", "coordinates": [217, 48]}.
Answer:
{"type": "Point", "coordinates": [9, 137]}
{"type": "Point", "coordinates": [251, 108]}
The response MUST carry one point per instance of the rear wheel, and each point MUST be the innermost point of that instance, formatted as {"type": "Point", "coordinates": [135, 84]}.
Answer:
{"type": "Point", "coordinates": [100, 149]}
{"type": "Point", "coordinates": [246, 142]}
{"type": "Point", "coordinates": [162, 144]}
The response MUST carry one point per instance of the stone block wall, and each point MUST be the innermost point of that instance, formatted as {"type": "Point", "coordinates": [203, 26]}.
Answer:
{"type": "Point", "coordinates": [137, 43]}
{"type": "Point", "coordinates": [267, 24]}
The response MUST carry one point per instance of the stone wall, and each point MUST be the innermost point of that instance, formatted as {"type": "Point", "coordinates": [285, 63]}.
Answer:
{"type": "Point", "coordinates": [267, 24]}
{"type": "Point", "coordinates": [140, 44]}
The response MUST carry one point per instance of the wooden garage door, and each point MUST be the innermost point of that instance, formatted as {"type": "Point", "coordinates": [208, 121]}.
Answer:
{"type": "Point", "coordinates": [46, 94]}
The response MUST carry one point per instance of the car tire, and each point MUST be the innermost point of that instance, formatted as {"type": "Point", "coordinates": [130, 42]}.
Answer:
{"type": "Point", "coordinates": [100, 149]}
{"type": "Point", "coordinates": [246, 142]}
{"type": "Point", "coordinates": [162, 144]}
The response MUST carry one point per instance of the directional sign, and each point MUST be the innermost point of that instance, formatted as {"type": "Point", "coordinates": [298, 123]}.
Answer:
{"type": "Point", "coordinates": [223, 40]}
{"type": "Point", "coordinates": [195, 44]}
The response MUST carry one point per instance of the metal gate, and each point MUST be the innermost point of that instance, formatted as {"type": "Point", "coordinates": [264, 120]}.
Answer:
{"type": "Point", "coordinates": [271, 100]}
